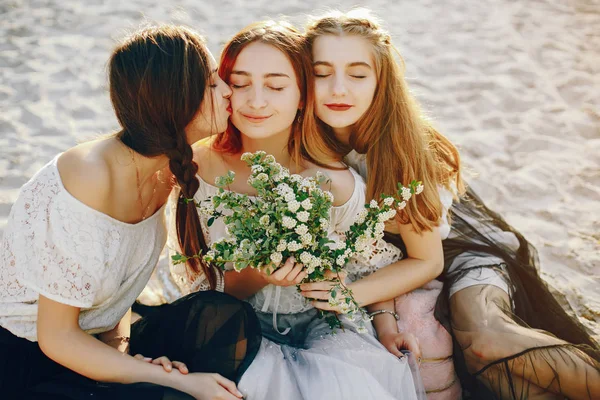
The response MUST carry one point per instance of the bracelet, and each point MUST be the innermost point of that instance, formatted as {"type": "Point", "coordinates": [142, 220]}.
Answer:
{"type": "Point", "coordinates": [374, 313]}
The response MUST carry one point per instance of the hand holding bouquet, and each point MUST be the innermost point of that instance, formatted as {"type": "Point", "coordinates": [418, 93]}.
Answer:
{"type": "Point", "coordinates": [288, 217]}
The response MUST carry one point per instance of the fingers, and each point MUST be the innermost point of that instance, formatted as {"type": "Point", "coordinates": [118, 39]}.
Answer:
{"type": "Point", "coordinates": [293, 274]}
{"type": "Point", "coordinates": [324, 305]}
{"type": "Point", "coordinates": [229, 385]}
{"type": "Point", "coordinates": [331, 275]}
{"type": "Point", "coordinates": [318, 295]}
{"type": "Point", "coordinates": [142, 358]}
{"type": "Point", "coordinates": [282, 272]}
{"type": "Point", "coordinates": [410, 343]}
{"type": "Point", "coordinates": [181, 367]}
{"type": "Point", "coordinates": [300, 277]}
{"type": "Point", "coordinates": [313, 286]}
{"type": "Point", "coordinates": [393, 348]}
{"type": "Point", "coordinates": [165, 362]}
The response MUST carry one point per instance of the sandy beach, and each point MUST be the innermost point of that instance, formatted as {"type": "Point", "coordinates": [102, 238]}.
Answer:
{"type": "Point", "coordinates": [516, 84]}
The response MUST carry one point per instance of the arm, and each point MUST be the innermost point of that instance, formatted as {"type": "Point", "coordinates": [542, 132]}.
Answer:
{"type": "Point", "coordinates": [424, 262]}
{"type": "Point", "coordinates": [386, 327]}
{"type": "Point", "coordinates": [62, 340]}
{"type": "Point", "coordinates": [118, 337]}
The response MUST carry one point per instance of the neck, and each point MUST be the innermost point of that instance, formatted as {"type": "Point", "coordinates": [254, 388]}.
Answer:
{"type": "Point", "coordinates": [276, 145]}
{"type": "Point", "coordinates": [147, 167]}
{"type": "Point", "coordinates": [343, 134]}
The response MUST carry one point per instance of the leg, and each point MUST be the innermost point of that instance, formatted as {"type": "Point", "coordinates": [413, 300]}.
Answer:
{"type": "Point", "coordinates": [498, 350]}
{"type": "Point", "coordinates": [209, 331]}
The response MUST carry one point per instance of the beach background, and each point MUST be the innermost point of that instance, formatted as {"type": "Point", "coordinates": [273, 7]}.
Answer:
{"type": "Point", "coordinates": [516, 84]}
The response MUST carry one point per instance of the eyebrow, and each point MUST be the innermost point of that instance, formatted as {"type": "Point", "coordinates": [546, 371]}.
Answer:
{"type": "Point", "coordinates": [269, 75]}
{"type": "Point", "coordinates": [352, 64]}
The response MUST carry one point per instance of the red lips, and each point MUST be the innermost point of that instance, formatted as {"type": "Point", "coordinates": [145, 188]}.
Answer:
{"type": "Point", "coordinates": [338, 106]}
{"type": "Point", "coordinates": [255, 118]}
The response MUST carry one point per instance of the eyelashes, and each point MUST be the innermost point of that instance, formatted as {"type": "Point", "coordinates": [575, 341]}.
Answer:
{"type": "Point", "coordinates": [277, 89]}
{"type": "Point", "coordinates": [352, 76]}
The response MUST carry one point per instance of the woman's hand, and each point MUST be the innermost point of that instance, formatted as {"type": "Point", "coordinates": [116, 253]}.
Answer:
{"type": "Point", "coordinates": [207, 386]}
{"type": "Point", "coordinates": [394, 342]}
{"type": "Point", "coordinates": [167, 364]}
{"type": "Point", "coordinates": [289, 274]}
{"type": "Point", "coordinates": [320, 292]}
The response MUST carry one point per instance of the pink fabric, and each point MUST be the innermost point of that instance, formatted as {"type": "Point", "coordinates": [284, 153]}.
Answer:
{"type": "Point", "coordinates": [415, 310]}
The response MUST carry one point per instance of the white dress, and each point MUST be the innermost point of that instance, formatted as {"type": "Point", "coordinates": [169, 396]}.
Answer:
{"type": "Point", "coordinates": [56, 246]}
{"type": "Point", "coordinates": [311, 362]}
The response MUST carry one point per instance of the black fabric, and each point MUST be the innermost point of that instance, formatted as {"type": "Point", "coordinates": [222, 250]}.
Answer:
{"type": "Point", "coordinates": [534, 343]}
{"type": "Point", "coordinates": [209, 331]}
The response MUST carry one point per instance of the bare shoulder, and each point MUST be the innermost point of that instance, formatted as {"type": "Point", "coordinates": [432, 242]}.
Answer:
{"type": "Point", "coordinates": [85, 174]}
{"type": "Point", "coordinates": [340, 182]}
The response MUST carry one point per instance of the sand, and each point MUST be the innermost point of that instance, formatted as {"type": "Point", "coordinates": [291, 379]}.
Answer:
{"type": "Point", "coordinates": [515, 83]}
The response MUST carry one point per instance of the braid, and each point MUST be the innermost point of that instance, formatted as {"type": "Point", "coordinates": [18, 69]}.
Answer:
{"type": "Point", "coordinates": [189, 230]}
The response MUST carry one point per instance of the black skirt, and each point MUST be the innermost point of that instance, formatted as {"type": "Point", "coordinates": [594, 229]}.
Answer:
{"type": "Point", "coordinates": [476, 243]}
{"type": "Point", "coordinates": [208, 331]}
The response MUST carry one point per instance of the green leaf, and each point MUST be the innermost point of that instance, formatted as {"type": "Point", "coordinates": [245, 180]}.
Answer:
{"type": "Point", "coordinates": [211, 220]}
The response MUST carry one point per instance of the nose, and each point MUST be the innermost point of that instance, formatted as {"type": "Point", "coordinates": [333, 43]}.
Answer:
{"type": "Point", "coordinates": [339, 86]}
{"type": "Point", "coordinates": [256, 98]}
{"type": "Point", "coordinates": [227, 92]}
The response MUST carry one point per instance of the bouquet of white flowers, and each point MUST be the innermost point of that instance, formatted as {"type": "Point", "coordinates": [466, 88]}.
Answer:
{"type": "Point", "coordinates": [288, 217]}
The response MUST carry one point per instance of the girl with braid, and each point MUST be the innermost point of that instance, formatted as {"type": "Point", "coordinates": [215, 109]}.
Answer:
{"type": "Point", "coordinates": [512, 338]}
{"type": "Point", "coordinates": [85, 234]}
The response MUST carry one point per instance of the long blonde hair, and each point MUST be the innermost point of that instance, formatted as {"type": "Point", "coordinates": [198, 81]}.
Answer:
{"type": "Point", "coordinates": [400, 143]}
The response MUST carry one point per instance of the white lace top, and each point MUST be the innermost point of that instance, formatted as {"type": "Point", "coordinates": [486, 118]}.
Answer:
{"type": "Point", "coordinates": [56, 246]}
{"type": "Point", "coordinates": [277, 299]}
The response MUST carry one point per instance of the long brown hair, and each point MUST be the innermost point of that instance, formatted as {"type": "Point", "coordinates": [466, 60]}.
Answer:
{"type": "Point", "coordinates": [290, 41]}
{"type": "Point", "coordinates": [158, 77]}
{"type": "Point", "coordinates": [400, 143]}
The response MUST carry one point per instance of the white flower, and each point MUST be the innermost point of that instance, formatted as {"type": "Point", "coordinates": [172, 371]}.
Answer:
{"type": "Point", "coordinates": [264, 220]}
{"type": "Point", "coordinates": [290, 196]}
{"type": "Point", "coordinates": [276, 258]}
{"type": "Point", "coordinates": [283, 188]}
{"type": "Point", "coordinates": [306, 204]}
{"type": "Point", "coordinates": [269, 159]}
{"type": "Point", "coordinates": [340, 261]}
{"type": "Point", "coordinates": [388, 201]}
{"type": "Point", "coordinates": [401, 205]}
{"type": "Point", "coordinates": [390, 214]}
{"type": "Point", "coordinates": [294, 246]}
{"type": "Point", "coordinates": [362, 329]}
{"type": "Point", "coordinates": [289, 222]}
{"type": "Point", "coordinates": [419, 189]}
{"type": "Point", "coordinates": [324, 223]}
{"type": "Point", "coordinates": [306, 238]}
{"type": "Point", "coordinates": [373, 204]}
{"type": "Point", "coordinates": [261, 153]}
{"type": "Point", "coordinates": [303, 216]}
{"type": "Point", "coordinates": [262, 177]}
{"type": "Point", "coordinates": [328, 195]}
{"type": "Point", "coordinates": [256, 169]}
{"type": "Point", "coordinates": [293, 205]}
{"type": "Point", "coordinates": [246, 156]}
{"type": "Point", "coordinates": [362, 214]}
{"type": "Point", "coordinates": [406, 194]}
{"type": "Point", "coordinates": [305, 258]}
{"type": "Point", "coordinates": [379, 227]}
{"type": "Point", "coordinates": [310, 269]}
{"type": "Point", "coordinates": [302, 229]}
{"type": "Point", "coordinates": [295, 178]}
{"type": "Point", "coordinates": [282, 245]}
{"type": "Point", "coordinates": [210, 256]}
